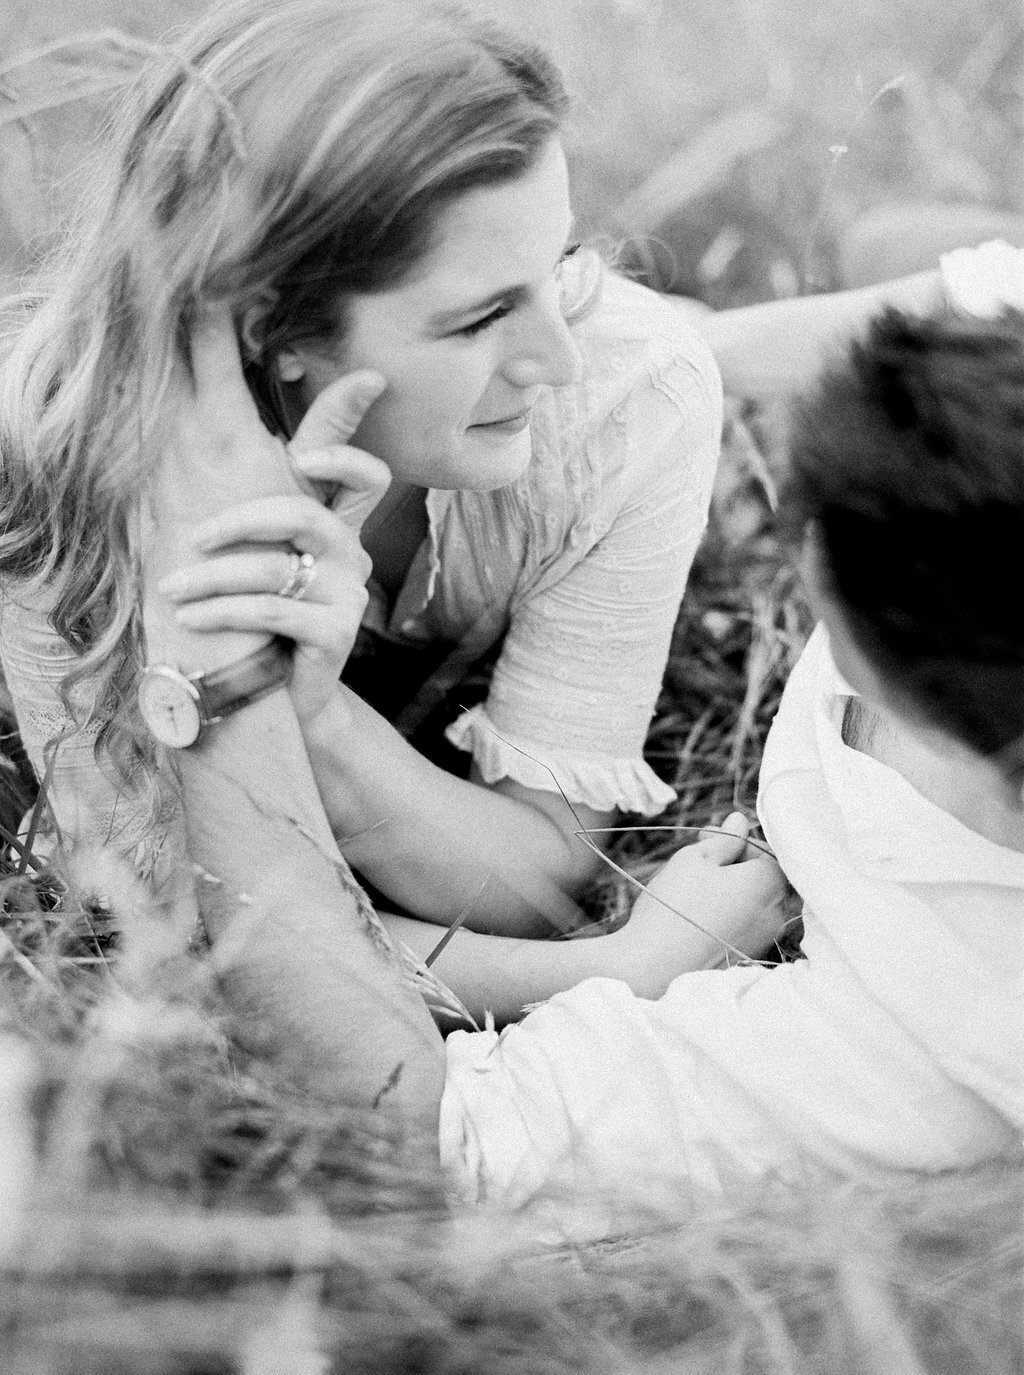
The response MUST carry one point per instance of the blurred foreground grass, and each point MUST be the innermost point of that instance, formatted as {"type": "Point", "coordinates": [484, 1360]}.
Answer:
{"type": "Point", "coordinates": [183, 1211]}
{"type": "Point", "coordinates": [190, 1213]}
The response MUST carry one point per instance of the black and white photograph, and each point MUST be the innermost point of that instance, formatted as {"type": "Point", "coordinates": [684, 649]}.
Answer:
{"type": "Point", "coordinates": [511, 687]}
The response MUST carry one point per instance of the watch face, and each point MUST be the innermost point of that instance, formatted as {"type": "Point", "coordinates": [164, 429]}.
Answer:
{"type": "Point", "coordinates": [170, 706]}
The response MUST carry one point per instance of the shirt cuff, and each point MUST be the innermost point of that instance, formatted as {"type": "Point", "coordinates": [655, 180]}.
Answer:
{"type": "Point", "coordinates": [984, 280]}
{"type": "Point", "coordinates": [593, 780]}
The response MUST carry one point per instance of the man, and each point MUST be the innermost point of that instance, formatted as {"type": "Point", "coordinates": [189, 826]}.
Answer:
{"type": "Point", "coordinates": [892, 796]}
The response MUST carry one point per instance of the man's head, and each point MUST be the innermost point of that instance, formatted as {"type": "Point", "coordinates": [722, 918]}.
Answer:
{"type": "Point", "coordinates": [907, 492]}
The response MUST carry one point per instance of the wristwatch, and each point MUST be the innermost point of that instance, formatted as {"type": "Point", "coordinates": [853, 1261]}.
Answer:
{"type": "Point", "coordinates": [178, 707]}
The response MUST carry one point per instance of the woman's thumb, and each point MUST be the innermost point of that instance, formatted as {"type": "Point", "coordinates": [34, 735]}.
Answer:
{"type": "Point", "coordinates": [338, 411]}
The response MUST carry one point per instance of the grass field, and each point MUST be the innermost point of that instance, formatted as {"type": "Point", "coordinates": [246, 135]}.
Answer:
{"type": "Point", "coordinates": [192, 1215]}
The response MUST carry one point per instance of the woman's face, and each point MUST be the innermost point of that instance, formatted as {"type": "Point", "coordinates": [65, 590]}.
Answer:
{"type": "Point", "coordinates": [469, 340]}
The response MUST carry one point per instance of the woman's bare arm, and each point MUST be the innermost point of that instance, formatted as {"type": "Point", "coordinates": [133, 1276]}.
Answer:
{"type": "Point", "coordinates": [438, 844]}
{"type": "Point", "coordinates": [778, 348]}
{"type": "Point", "coordinates": [709, 902]}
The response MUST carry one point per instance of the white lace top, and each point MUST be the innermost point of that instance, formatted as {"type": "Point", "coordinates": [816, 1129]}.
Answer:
{"type": "Point", "coordinates": [584, 560]}
{"type": "Point", "coordinates": [88, 803]}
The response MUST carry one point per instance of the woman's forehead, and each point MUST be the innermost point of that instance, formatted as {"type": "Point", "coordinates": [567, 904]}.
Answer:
{"type": "Point", "coordinates": [493, 238]}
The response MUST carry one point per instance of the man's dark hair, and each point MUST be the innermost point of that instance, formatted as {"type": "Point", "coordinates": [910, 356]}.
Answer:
{"type": "Point", "coordinates": [907, 464]}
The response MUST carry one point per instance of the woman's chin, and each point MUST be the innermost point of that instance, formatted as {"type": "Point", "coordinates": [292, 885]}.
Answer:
{"type": "Point", "coordinates": [496, 458]}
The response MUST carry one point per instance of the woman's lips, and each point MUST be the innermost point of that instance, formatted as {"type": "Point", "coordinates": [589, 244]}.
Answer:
{"type": "Point", "coordinates": [514, 424]}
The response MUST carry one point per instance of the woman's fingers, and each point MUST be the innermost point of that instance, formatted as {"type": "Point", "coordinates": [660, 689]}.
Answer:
{"type": "Point", "coordinates": [763, 875]}
{"type": "Point", "coordinates": [248, 583]}
{"type": "Point", "coordinates": [350, 482]}
{"type": "Point", "coordinates": [337, 412]}
{"type": "Point", "coordinates": [250, 571]}
{"type": "Point", "coordinates": [760, 890]}
{"type": "Point", "coordinates": [296, 520]}
{"type": "Point", "coordinates": [330, 627]}
{"type": "Point", "coordinates": [736, 824]}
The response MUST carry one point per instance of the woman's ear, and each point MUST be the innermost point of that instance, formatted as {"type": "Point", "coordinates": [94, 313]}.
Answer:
{"type": "Point", "coordinates": [251, 330]}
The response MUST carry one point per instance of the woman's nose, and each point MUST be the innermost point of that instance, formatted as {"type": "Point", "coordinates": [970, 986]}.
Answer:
{"type": "Point", "coordinates": [544, 352]}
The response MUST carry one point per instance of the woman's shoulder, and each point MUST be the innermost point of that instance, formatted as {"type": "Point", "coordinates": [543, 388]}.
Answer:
{"type": "Point", "coordinates": [642, 354]}
{"type": "Point", "coordinates": [640, 335]}
{"type": "Point", "coordinates": [648, 386]}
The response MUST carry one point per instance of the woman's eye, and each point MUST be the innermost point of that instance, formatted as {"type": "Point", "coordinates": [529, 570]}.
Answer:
{"type": "Point", "coordinates": [498, 313]}
{"type": "Point", "coordinates": [506, 307]}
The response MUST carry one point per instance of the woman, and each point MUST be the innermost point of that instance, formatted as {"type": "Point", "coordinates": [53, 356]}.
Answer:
{"type": "Point", "coordinates": [375, 198]}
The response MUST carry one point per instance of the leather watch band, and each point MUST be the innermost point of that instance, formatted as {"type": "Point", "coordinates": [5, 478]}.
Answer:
{"type": "Point", "coordinates": [227, 690]}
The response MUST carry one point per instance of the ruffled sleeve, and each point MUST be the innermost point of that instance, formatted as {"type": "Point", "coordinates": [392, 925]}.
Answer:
{"type": "Point", "coordinates": [627, 784]}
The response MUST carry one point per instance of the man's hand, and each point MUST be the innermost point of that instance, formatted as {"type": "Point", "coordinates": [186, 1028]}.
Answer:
{"type": "Point", "coordinates": [233, 507]}
{"type": "Point", "coordinates": [710, 902]}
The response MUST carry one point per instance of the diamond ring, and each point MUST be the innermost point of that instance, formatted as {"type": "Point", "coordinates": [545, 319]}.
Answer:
{"type": "Point", "coordinates": [300, 576]}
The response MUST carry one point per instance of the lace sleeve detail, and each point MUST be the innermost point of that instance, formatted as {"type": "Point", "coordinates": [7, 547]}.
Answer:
{"type": "Point", "coordinates": [89, 806]}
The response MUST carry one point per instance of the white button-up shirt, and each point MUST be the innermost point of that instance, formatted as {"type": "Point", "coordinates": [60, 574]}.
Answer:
{"type": "Point", "coordinates": [898, 1044]}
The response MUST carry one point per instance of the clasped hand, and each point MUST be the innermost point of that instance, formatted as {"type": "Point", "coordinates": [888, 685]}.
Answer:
{"type": "Point", "coordinates": [233, 505]}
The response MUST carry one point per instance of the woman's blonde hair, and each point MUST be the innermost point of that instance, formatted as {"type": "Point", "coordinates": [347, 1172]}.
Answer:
{"type": "Point", "coordinates": [290, 153]}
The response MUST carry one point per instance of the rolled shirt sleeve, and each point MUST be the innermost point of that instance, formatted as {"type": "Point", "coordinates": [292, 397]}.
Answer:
{"type": "Point", "coordinates": [733, 1074]}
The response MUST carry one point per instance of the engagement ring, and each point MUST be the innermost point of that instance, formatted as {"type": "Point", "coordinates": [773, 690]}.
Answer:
{"type": "Point", "coordinates": [300, 577]}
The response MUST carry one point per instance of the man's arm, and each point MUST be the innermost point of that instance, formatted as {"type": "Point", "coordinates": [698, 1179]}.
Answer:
{"type": "Point", "coordinates": [309, 981]}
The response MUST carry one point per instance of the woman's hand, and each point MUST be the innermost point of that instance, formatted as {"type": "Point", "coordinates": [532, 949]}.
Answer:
{"type": "Point", "coordinates": [709, 902]}
{"type": "Point", "coordinates": [248, 552]}
{"type": "Point", "coordinates": [252, 553]}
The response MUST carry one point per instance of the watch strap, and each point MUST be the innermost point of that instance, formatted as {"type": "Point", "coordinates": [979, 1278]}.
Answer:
{"type": "Point", "coordinates": [228, 689]}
